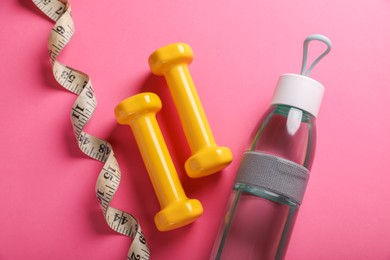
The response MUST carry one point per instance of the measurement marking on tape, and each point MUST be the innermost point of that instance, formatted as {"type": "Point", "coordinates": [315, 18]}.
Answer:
{"type": "Point", "coordinates": [80, 84]}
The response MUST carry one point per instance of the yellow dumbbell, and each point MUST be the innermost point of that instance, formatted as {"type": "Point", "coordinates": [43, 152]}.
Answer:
{"type": "Point", "coordinates": [172, 62]}
{"type": "Point", "coordinates": [177, 210]}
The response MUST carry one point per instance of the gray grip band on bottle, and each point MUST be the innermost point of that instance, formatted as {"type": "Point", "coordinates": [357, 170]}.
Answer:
{"type": "Point", "coordinates": [273, 173]}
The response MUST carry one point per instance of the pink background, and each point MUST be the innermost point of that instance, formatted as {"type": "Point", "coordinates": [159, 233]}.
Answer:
{"type": "Point", "coordinates": [48, 205]}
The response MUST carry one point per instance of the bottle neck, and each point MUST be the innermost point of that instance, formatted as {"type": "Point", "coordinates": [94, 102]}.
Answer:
{"type": "Point", "coordinates": [284, 110]}
{"type": "Point", "coordinates": [287, 132]}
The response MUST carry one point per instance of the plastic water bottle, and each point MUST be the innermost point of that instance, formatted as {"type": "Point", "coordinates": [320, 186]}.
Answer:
{"type": "Point", "coordinates": [273, 173]}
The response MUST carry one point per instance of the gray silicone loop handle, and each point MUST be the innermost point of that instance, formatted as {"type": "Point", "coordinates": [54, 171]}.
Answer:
{"type": "Point", "coordinates": [313, 37]}
{"type": "Point", "coordinates": [274, 174]}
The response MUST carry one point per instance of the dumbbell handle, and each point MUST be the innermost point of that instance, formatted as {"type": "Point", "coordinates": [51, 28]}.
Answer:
{"type": "Point", "coordinates": [157, 160]}
{"type": "Point", "coordinates": [192, 115]}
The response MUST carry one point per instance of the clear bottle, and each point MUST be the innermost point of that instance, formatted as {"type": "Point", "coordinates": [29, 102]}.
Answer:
{"type": "Point", "coordinates": [273, 173]}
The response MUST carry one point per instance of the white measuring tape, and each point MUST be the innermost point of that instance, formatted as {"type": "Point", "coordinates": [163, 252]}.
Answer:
{"type": "Point", "coordinates": [80, 84]}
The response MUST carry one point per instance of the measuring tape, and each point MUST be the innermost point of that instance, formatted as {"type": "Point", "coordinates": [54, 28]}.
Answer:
{"type": "Point", "coordinates": [80, 84]}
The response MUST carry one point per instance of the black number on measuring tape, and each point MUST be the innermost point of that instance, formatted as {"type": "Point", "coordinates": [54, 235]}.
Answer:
{"type": "Point", "coordinates": [75, 116]}
{"type": "Point", "coordinates": [102, 148]}
{"type": "Point", "coordinates": [100, 194]}
{"type": "Point", "coordinates": [45, 2]}
{"type": "Point", "coordinates": [79, 110]}
{"type": "Point", "coordinates": [60, 10]}
{"type": "Point", "coordinates": [71, 78]}
{"type": "Point", "coordinates": [142, 239]}
{"type": "Point", "coordinates": [135, 257]}
{"type": "Point", "coordinates": [83, 138]}
{"type": "Point", "coordinates": [86, 141]}
{"type": "Point", "coordinates": [64, 74]}
{"type": "Point", "coordinates": [89, 93]}
{"type": "Point", "coordinates": [116, 217]}
{"type": "Point", "coordinates": [60, 29]}
{"type": "Point", "coordinates": [122, 219]}
{"type": "Point", "coordinates": [107, 176]}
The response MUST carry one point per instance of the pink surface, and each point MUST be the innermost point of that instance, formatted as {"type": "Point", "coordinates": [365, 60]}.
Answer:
{"type": "Point", "coordinates": [49, 209]}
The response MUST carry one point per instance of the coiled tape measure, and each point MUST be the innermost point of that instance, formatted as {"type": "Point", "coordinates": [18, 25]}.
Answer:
{"type": "Point", "coordinates": [80, 84]}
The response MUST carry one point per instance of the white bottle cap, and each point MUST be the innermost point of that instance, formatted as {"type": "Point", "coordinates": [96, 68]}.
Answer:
{"type": "Point", "coordinates": [299, 91]}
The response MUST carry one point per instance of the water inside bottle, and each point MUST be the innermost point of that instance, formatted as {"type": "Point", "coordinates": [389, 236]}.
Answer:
{"type": "Point", "coordinates": [256, 227]}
